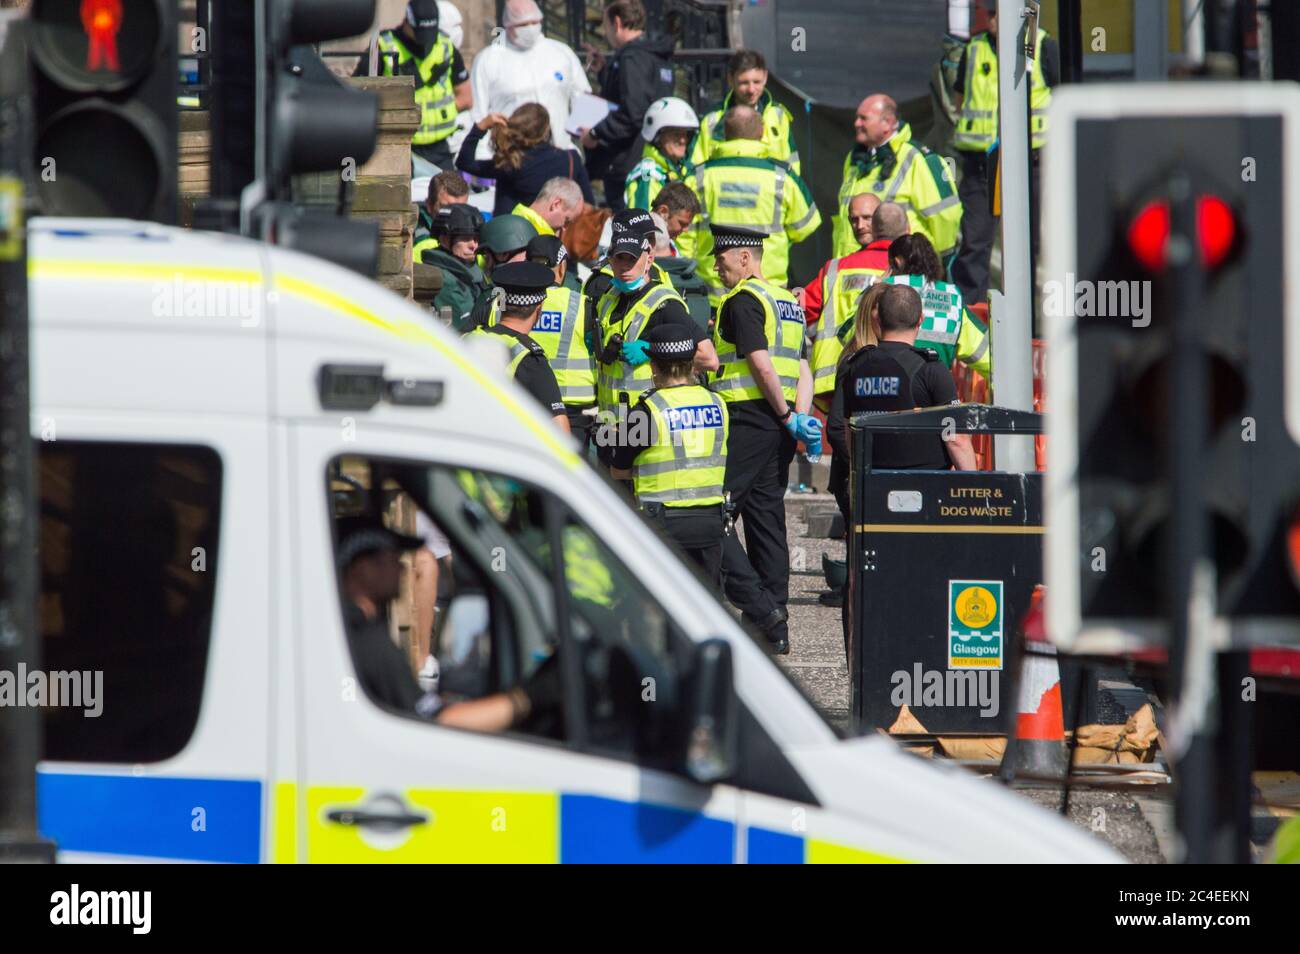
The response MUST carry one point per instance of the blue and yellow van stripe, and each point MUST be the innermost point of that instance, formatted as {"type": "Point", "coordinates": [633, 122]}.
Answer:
{"type": "Point", "coordinates": [220, 820]}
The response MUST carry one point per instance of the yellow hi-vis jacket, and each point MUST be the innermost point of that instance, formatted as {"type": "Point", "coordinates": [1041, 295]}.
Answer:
{"type": "Point", "coordinates": [523, 211]}
{"type": "Point", "coordinates": [784, 328]}
{"type": "Point", "coordinates": [518, 349]}
{"type": "Point", "coordinates": [652, 173]}
{"type": "Point", "coordinates": [910, 175]}
{"type": "Point", "coordinates": [618, 378]}
{"type": "Point", "coordinates": [561, 330]}
{"type": "Point", "coordinates": [742, 186]}
{"type": "Point", "coordinates": [687, 460]}
{"type": "Point", "coordinates": [778, 132]}
{"type": "Point", "coordinates": [977, 127]}
{"type": "Point", "coordinates": [435, 93]}
{"type": "Point", "coordinates": [842, 286]}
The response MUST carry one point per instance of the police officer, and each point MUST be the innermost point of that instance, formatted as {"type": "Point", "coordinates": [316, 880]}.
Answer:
{"type": "Point", "coordinates": [634, 304]}
{"type": "Point", "coordinates": [675, 450]}
{"type": "Point", "coordinates": [765, 379]}
{"type": "Point", "coordinates": [895, 375]}
{"type": "Point", "coordinates": [442, 87]}
{"type": "Point", "coordinates": [561, 330]}
{"type": "Point", "coordinates": [742, 185]}
{"type": "Point", "coordinates": [523, 286]}
{"type": "Point", "coordinates": [602, 273]}
{"type": "Point", "coordinates": [456, 229]}
{"type": "Point", "coordinates": [503, 239]}
{"type": "Point", "coordinates": [370, 575]}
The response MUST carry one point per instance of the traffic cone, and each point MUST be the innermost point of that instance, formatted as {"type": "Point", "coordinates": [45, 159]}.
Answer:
{"type": "Point", "coordinates": [1040, 722]}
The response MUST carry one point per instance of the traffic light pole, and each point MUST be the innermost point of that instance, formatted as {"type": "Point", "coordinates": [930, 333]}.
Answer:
{"type": "Point", "coordinates": [1190, 583]}
{"type": "Point", "coordinates": [20, 726]}
{"type": "Point", "coordinates": [1013, 374]}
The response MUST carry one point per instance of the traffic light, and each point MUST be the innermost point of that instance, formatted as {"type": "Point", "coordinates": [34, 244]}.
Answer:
{"type": "Point", "coordinates": [283, 113]}
{"type": "Point", "coordinates": [104, 83]}
{"type": "Point", "coordinates": [1123, 281]}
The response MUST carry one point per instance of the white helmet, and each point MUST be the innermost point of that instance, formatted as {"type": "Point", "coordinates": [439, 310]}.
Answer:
{"type": "Point", "coordinates": [668, 113]}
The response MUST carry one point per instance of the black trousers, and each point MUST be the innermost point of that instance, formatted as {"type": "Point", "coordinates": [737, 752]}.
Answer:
{"type": "Point", "coordinates": [579, 427]}
{"type": "Point", "coordinates": [697, 532]}
{"type": "Point", "coordinates": [970, 270]}
{"type": "Point", "coordinates": [757, 578]}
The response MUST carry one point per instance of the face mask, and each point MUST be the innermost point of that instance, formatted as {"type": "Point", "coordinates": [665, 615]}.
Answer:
{"type": "Point", "coordinates": [525, 37]}
{"type": "Point", "coordinates": [625, 287]}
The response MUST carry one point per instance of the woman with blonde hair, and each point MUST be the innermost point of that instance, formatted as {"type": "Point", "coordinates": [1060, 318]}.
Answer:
{"type": "Point", "coordinates": [861, 331]}
{"type": "Point", "coordinates": [524, 158]}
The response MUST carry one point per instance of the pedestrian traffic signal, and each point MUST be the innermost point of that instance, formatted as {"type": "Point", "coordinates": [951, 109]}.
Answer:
{"type": "Point", "coordinates": [1123, 277]}
{"type": "Point", "coordinates": [104, 86]}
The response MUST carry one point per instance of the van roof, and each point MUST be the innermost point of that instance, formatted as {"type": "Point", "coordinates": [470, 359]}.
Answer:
{"type": "Point", "coordinates": [207, 322]}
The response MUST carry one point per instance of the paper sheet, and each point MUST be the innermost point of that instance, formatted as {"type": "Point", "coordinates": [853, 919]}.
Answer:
{"type": "Point", "coordinates": [586, 111]}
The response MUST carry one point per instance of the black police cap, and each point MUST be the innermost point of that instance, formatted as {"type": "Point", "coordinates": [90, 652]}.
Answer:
{"type": "Point", "coordinates": [524, 283]}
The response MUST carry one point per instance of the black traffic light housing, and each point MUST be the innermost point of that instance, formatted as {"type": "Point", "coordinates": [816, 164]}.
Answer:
{"type": "Point", "coordinates": [277, 112]}
{"type": "Point", "coordinates": [1248, 467]}
{"type": "Point", "coordinates": [104, 81]}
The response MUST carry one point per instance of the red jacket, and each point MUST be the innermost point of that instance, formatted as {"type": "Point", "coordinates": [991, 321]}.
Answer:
{"type": "Point", "coordinates": [875, 255]}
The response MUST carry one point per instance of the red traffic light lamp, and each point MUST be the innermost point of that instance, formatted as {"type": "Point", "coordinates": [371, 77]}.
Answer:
{"type": "Point", "coordinates": [1216, 233]}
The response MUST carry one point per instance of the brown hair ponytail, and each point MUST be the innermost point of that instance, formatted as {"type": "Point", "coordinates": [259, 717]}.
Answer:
{"type": "Point", "coordinates": [528, 126]}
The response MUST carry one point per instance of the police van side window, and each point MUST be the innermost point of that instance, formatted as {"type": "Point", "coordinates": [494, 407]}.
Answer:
{"type": "Point", "coordinates": [502, 612]}
{"type": "Point", "coordinates": [128, 563]}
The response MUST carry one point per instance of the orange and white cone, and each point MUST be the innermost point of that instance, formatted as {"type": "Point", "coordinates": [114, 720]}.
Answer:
{"type": "Point", "coordinates": [1040, 722]}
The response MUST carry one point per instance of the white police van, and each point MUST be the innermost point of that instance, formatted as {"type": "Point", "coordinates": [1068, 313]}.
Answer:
{"type": "Point", "coordinates": [207, 406]}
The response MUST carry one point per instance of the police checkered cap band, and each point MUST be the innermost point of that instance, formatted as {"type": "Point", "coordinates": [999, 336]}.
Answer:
{"type": "Point", "coordinates": [680, 348]}
{"type": "Point", "coordinates": [725, 240]}
{"type": "Point", "coordinates": [524, 299]}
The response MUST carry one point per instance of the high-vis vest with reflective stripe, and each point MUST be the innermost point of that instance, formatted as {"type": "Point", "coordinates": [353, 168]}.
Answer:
{"type": "Point", "coordinates": [685, 465]}
{"type": "Point", "coordinates": [518, 350]}
{"type": "Point", "coordinates": [777, 132]}
{"type": "Point", "coordinates": [918, 180]}
{"type": "Point", "coordinates": [652, 173]}
{"type": "Point", "coordinates": [742, 186]}
{"type": "Point", "coordinates": [436, 97]}
{"type": "Point", "coordinates": [561, 330]}
{"type": "Point", "coordinates": [619, 377]}
{"type": "Point", "coordinates": [841, 289]}
{"type": "Point", "coordinates": [784, 328]}
{"type": "Point", "coordinates": [940, 314]}
{"type": "Point", "coordinates": [977, 128]}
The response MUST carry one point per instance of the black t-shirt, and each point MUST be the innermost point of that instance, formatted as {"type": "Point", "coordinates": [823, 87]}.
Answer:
{"type": "Point", "coordinates": [381, 667]}
{"type": "Point", "coordinates": [743, 322]}
{"type": "Point", "coordinates": [894, 376]}
{"type": "Point", "coordinates": [1049, 51]}
{"type": "Point", "coordinates": [534, 373]}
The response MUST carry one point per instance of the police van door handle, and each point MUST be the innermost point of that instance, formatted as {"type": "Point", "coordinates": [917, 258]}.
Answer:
{"type": "Point", "coordinates": [385, 813]}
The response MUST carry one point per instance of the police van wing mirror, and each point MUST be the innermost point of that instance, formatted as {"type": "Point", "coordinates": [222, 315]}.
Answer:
{"type": "Point", "coordinates": [712, 740]}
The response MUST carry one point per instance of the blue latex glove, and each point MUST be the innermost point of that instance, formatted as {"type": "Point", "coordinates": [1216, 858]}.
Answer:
{"type": "Point", "coordinates": [635, 353]}
{"type": "Point", "coordinates": [792, 425]}
{"type": "Point", "coordinates": [810, 429]}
